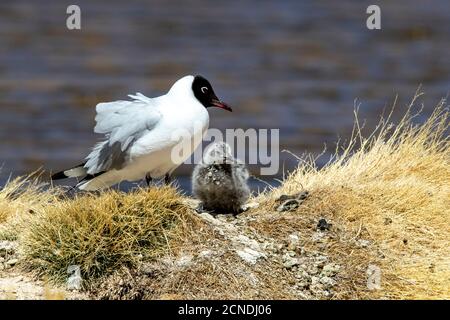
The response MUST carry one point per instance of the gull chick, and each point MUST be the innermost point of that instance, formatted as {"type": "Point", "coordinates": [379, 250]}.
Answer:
{"type": "Point", "coordinates": [140, 135]}
{"type": "Point", "coordinates": [220, 180]}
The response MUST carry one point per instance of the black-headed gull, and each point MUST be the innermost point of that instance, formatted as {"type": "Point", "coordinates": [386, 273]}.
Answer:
{"type": "Point", "coordinates": [144, 136]}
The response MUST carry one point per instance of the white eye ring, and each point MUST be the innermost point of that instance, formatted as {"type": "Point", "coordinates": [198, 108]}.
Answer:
{"type": "Point", "coordinates": [204, 89]}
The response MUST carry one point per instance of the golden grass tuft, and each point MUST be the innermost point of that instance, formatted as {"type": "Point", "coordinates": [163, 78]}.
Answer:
{"type": "Point", "coordinates": [21, 197]}
{"type": "Point", "coordinates": [102, 232]}
{"type": "Point", "coordinates": [392, 188]}
{"type": "Point", "coordinates": [21, 194]}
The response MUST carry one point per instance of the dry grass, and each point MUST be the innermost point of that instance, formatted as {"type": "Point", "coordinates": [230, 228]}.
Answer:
{"type": "Point", "coordinates": [21, 194]}
{"type": "Point", "coordinates": [20, 197]}
{"type": "Point", "coordinates": [99, 233]}
{"type": "Point", "coordinates": [392, 188]}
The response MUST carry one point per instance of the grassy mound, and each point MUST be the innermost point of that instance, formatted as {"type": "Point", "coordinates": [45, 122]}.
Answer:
{"type": "Point", "coordinates": [100, 233]}
{"type": "Point", "coordinates": [392, 188]}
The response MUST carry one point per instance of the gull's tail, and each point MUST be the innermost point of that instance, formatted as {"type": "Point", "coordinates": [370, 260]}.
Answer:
{"type": "Point", "coordinates": [87, 182]}
{"type": "Point", "coordinates": [75, 172]}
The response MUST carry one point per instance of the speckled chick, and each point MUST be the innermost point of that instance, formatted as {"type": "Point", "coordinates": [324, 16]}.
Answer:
{"type": "Point", "coordinates": [220, 180]}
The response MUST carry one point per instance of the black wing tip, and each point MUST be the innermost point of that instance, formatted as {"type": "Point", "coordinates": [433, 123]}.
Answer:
{"type": "Point", "coordinates": [59, 175]}
{"type": "Point", "coordinates": [62, 175]}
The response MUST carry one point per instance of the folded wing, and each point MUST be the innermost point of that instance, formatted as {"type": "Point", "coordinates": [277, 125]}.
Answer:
{"type": "Point", "coordinates": [122, 122]}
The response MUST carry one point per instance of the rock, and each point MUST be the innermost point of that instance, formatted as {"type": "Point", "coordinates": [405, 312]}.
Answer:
{"type": "Point", "coordinates": [7, 248]}
{"type": "Point", "coordinates": [304, 279]}
{"type": "Point", "coordinates": [303, 195]}
{"type": "Point", "coordinates": [288, 254]}
{"type": "Point", "coordinates": [184, 261]}
{"type": "Point", "coordinates": [291, 262]}
{"type": "Point", "coordinates": [387, 221]}
{"type": "Point", "coordinates": [312, 269]}
{"type": "Point", "coordinates": [314, 280]}
{"type": "Point", "coordinates": [246, 241]}
{"type": "Point", "coordinates": [320, 260]}
{"type": "Point", "coordinates": [249, 255]}
{"type": "Point", "coordinates": [288, 205]}
{"type": "Point", "coordinates": [293, 238]}
{"type": "Point", "coordinates": [74, 281]}
{"type": "Point", "coordinates": [209, 218]}
{"type": "Point", "coordinates": [225, 217]}
{"type": "Point", "coordinates": [373, 273]}
{"type": "Point", "coordinates": [330, 270]}
{"type": "Point", "coordinates": [248, 206]}
{"type": "Point", "coordinates": [12, 262]}
{"type": "Point", "coordinates": [298, 196]}
{"type": "Point", "coordinates": [316, 287]}
{"type": "Point", "coordinates": [205, 254]}
{"type": "Point", "coordinates": [327, 282]}
{"type": "Point", "coordinates": [294, 241]}
{"type": "Point", "coordinates": [323, 225]}
{"type": "Point", "coordinates": [363, 243]}
{"type": "Point", "coordinates": [318, 236]}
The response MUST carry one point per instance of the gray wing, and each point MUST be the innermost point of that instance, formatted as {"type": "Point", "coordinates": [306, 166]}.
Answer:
{"type": "Point", "coordinates": [122, 122]}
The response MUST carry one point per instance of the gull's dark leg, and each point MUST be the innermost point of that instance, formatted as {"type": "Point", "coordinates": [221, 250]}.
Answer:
{"type": "Point", "coordinates": [148, 179]}
{"type": "Point", "coordinates": [167, 179]}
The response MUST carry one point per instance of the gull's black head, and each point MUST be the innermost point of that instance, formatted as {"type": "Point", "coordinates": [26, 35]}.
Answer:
{"type": "Point", "coordinates": [204, 93]}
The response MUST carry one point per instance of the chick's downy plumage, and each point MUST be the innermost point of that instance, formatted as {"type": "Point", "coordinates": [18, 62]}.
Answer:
{"type": "Point", "coordinates": [220, 180]}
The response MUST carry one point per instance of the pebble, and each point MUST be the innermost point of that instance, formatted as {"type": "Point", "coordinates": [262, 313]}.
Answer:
{"type": "Point", "coordinates": [251, 205]}
{"type": "Point", "coordinates": [303, 195]}
{"type": "Point", "coordinates": [320, 260]}
{"type": "Point", "coordinates": [291, 262]}
{"type": "Point", "coordinates": [12, 262]}
{"type": "Point", "coordinates": [318, 236]}
{"type": "Point", "coordinates": [74, 281]}
{"type": "Point", "coordinates": [205, 254]}
{"type": "Point", "coordinates": [7, 248]}
{"type": "Point", "coordinates": [312, 269]}
{"type": "Point", "coordinates": [249, 255]}
{"type": "Point", "coordinates": [184, 261]}
{"type": "Point", "coordinates": [323, 225]}
{"type": "Point", "coordinates": [330, 270]}
{"type": "Point", "coordinates": [298, 196]}
{"type": "Point", "coordinates": [293, 241]}
{"type": "Point", "coordinates": [288, 205]}
{"type": "Point", "coordinates": [327, 282]}
{"type": "Point", "coordinates": [363, 243]}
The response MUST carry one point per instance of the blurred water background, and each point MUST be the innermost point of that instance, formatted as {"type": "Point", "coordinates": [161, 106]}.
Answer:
{"type": "Point", "coordinates": [293, 65]}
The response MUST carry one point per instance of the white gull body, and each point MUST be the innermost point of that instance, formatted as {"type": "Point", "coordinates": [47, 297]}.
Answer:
{"type": "Point", "coordinates": [141, 135]}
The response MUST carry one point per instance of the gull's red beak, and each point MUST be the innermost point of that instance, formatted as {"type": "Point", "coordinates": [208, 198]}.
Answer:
{"type": "Point", "coordinates": [220, 104]}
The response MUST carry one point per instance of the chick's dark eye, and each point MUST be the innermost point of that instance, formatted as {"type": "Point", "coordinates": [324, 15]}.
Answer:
{"type": "Point", "coordinates": [204, 89]}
